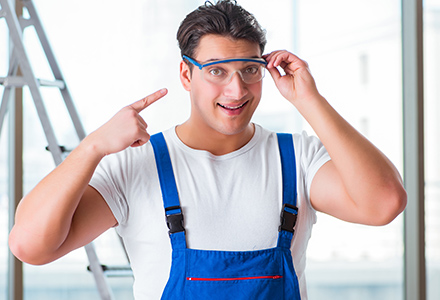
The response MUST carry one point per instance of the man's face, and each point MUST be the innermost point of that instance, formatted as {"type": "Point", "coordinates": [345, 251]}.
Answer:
{"type": "Point", "coordinates": [228, 108]}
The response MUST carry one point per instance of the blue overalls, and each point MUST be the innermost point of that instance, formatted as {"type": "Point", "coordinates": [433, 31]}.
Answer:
{"type": "Point", "coordinates": [206, 274]}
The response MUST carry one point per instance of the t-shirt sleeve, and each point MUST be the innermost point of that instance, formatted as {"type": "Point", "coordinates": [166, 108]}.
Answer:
{"type": "Point", "coordinates": [110, 180]}
{"type": "Point", "coordinates": [313, 156]}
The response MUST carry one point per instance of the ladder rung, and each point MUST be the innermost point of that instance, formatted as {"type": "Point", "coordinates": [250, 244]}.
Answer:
{"type": "Point", "coordinates": [52, 83]}
{"type": "Point", "coordinates": [116, 271]}
{"type": "Point", "coordinates": [18, 81]}
{"type": "Point", "coordinates": [15, 81]}
{"type": "Point", "coordinates": [19, 58]}
{"type": "Point", "coordinates": [119, 273]}
{"type": "Point", "coordinates": [62, 148]}
{"type": "Point", "coordinates": [25, 22]}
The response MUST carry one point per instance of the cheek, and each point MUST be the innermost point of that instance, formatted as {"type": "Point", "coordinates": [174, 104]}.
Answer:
{"type": "Point", "coordinates": [204, 94]}
{"type": "Point", "coordinates": [256, 90]}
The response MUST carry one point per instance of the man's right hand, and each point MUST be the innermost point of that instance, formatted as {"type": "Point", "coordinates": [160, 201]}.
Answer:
{"type": "Point", "coordinates": [63, 212]}
{"type": "Point", "coordinates": [126, 128]}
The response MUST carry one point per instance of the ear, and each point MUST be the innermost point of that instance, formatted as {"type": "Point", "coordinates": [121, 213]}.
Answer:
{"type": "Point", "coordinates": [185, 76]}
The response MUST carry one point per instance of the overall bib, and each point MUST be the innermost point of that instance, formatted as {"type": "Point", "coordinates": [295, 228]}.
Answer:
{"type": "Point", "coordinates": [206, 274]}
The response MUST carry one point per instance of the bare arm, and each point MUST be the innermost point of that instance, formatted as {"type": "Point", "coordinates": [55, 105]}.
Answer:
{"type": "Point", "coordinates": [359, 184]}
{"type": "Point", "coordinates": [63, 212]}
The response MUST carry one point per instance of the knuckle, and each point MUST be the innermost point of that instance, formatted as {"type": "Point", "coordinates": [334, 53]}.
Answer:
{"type": "Point", "coordinates": [132, 113]}
{"type": "Point", "coordinates": [147, 99]}
{"type": "Point", "coordinates": [129, 110]}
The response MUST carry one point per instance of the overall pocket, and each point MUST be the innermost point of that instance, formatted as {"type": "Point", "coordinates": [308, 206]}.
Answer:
{"type": "Point", "coordinates": [234, 275]}
{"type": "Point", "coordinates": [233, 279]}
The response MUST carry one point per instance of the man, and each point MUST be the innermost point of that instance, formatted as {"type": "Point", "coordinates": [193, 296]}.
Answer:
{"type": "Point", "coordinates": [227, 169]}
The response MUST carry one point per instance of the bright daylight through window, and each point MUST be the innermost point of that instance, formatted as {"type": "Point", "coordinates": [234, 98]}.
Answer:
{"type": "Point", "coordinates": [113, 53]}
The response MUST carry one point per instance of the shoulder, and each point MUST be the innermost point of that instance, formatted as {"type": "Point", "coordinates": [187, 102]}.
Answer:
{"type": "Point", "coordinates": [308, 148]}
{"type": "Point", "coordinates": [117, 173]}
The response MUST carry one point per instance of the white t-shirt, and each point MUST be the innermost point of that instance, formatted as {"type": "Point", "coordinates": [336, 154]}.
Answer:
{"type": "Point", "coordinates": [230, 202]}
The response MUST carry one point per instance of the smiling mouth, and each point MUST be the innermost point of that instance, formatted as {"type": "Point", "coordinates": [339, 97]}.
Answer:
{"type": "Point", "coordinates": [232, 107]}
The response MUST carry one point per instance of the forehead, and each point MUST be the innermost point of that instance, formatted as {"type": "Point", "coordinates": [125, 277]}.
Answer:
{"type": "Point", "coordinates": [215, 47]}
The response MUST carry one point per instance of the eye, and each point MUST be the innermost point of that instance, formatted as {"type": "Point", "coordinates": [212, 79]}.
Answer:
{"type": "Point", "coordinates": [216, 72]}
{"type": "Point", "coordinates": [251, 69]}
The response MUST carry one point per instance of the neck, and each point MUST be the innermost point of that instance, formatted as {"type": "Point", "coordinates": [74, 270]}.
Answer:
{"type": "Point", "coordinates": [211, 140]}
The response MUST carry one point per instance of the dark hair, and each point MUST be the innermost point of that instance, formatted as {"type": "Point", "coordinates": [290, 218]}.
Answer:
{"type": "Point", "coordinates": [225, 18]}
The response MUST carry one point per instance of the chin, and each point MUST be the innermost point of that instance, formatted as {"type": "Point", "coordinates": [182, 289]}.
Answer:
{"type": "Point", "coordinates": [233, 130]}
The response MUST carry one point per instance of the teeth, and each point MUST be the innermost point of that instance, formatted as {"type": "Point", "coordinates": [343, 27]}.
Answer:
{"type": "Point", "coordinates": [232, 107]}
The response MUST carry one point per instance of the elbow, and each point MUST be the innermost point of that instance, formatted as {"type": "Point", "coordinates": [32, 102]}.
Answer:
{"type": "Point", "coordinates": [393, 203]}
{"type": "Point", "coordinates": [23, 250]}
{"type": "Point", "coordinates": [18, 248]}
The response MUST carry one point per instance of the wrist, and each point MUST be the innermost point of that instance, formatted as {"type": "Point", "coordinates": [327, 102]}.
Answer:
{"type": "Point", "coordinates": [306, 102]}
{"type": "Point", "coordinates": [89, 147]}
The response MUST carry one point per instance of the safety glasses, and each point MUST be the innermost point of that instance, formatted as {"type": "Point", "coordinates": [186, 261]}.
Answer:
{"type": "Point", "coordinates": [220, 72]}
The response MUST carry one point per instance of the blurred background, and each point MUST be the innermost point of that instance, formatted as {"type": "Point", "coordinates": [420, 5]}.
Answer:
{"type": "Point", "coordinates": [115, 52]}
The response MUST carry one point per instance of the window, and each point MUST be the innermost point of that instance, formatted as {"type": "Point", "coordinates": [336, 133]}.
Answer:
{"type": "Point", "coordinates": [3, 172]}
{"type": "Point", "coordinates": [354, 51]}
{"type": "Point", "coordinates": [113, 53]}
{"type": "Point", "coordinates": [432, 165]}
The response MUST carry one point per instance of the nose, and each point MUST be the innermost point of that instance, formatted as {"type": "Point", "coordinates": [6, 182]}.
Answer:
{"type": "Point", "coordinates": [236, 88]}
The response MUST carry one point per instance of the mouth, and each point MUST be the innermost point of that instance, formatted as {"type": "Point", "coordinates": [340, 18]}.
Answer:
{"type": "Point", "coordinates": [232, 108]}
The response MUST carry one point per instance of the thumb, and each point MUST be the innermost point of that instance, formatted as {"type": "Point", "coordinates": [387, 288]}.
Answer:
{"type": "Point", "coordinates": [275, 73]}
{"type": "Point", "coordinates": [140, 105]}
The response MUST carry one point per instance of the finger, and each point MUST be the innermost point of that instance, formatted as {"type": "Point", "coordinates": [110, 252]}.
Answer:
{"type": "Point", "coordinates": [145, 137]}
{"type": "Point", "coordinates": [283, 64]}
{"type": "Point", "coordinates": [271, 67]}
{"type": "Point", "coordinates": [293, 60]}
{"type": "Point", "coordinates": [269, 58]}
{"type": "Point", "coordinates": [272, 57]}
{"type": "Point", "coordinates": [282, 59]}
{"type": "Point", "coordinates": [275, 73]}
{"type": "Point", "coordinates": [147, 101]}
{"type": "Point", "coordinates": [289, 62]}
{"type": "Point", "coordinates": [142, 122]}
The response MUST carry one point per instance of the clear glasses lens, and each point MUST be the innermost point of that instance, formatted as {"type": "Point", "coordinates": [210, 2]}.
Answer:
{"type": "Point", "coordinates": [222, 73]}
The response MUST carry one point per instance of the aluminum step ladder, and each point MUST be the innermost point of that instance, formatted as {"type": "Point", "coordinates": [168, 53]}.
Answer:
{"type": "Point", "coordinates": [20, 60]}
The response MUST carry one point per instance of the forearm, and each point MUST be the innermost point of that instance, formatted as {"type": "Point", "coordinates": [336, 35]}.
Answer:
{"type": "Point", "coordinates": [359, 184]}
{"type": "Point", "coordinates": [61, 213]}
{"type": "Point", "coordinates": [45, 215]}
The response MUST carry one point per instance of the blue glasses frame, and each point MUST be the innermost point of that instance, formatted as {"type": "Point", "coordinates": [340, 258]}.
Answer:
{"type": "Point", "coordinates": [201, 66]}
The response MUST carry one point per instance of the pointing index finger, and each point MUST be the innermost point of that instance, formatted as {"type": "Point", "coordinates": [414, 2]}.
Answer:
{"type": "Point", "coordinates": [147, 101]}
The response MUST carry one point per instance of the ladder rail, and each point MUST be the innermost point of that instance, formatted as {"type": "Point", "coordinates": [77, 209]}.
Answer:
{"type": "Point", "coordinates": [20, 59]}
{"type": "Point", "coordinates": [35, 21]}
{"type": "Point", "coordinates": [12, 71]}
{"type": "Point", "coordinates": [15, 33]}
{"type": "Point", "coordinates": [98, 273]}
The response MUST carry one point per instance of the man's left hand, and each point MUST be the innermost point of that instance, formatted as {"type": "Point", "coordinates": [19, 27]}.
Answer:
{"type": "Point", "coordinates": [297, 83]}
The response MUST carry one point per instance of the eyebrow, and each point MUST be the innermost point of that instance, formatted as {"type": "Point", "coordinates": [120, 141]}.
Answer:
{"type": "Point", "coordinates": [256, 60]}
{"type": "Point", "coordinates": [206, 64]}
{"type": "Point", "coordinates": [217, 59]}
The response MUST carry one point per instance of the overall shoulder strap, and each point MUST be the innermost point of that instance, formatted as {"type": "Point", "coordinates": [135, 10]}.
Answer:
{"type": "Point", "coordinates": [288, 165]}
{"type": "Point", "coordinates": [170, 195]}
{"type": "Point", "coordinates": [289, 212]}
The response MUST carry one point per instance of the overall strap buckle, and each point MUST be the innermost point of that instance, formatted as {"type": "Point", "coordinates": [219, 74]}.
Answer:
{"type": "Point", "coordinates": [289, 215]}
{"type": "Point", "coordinates": [174, 218]}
